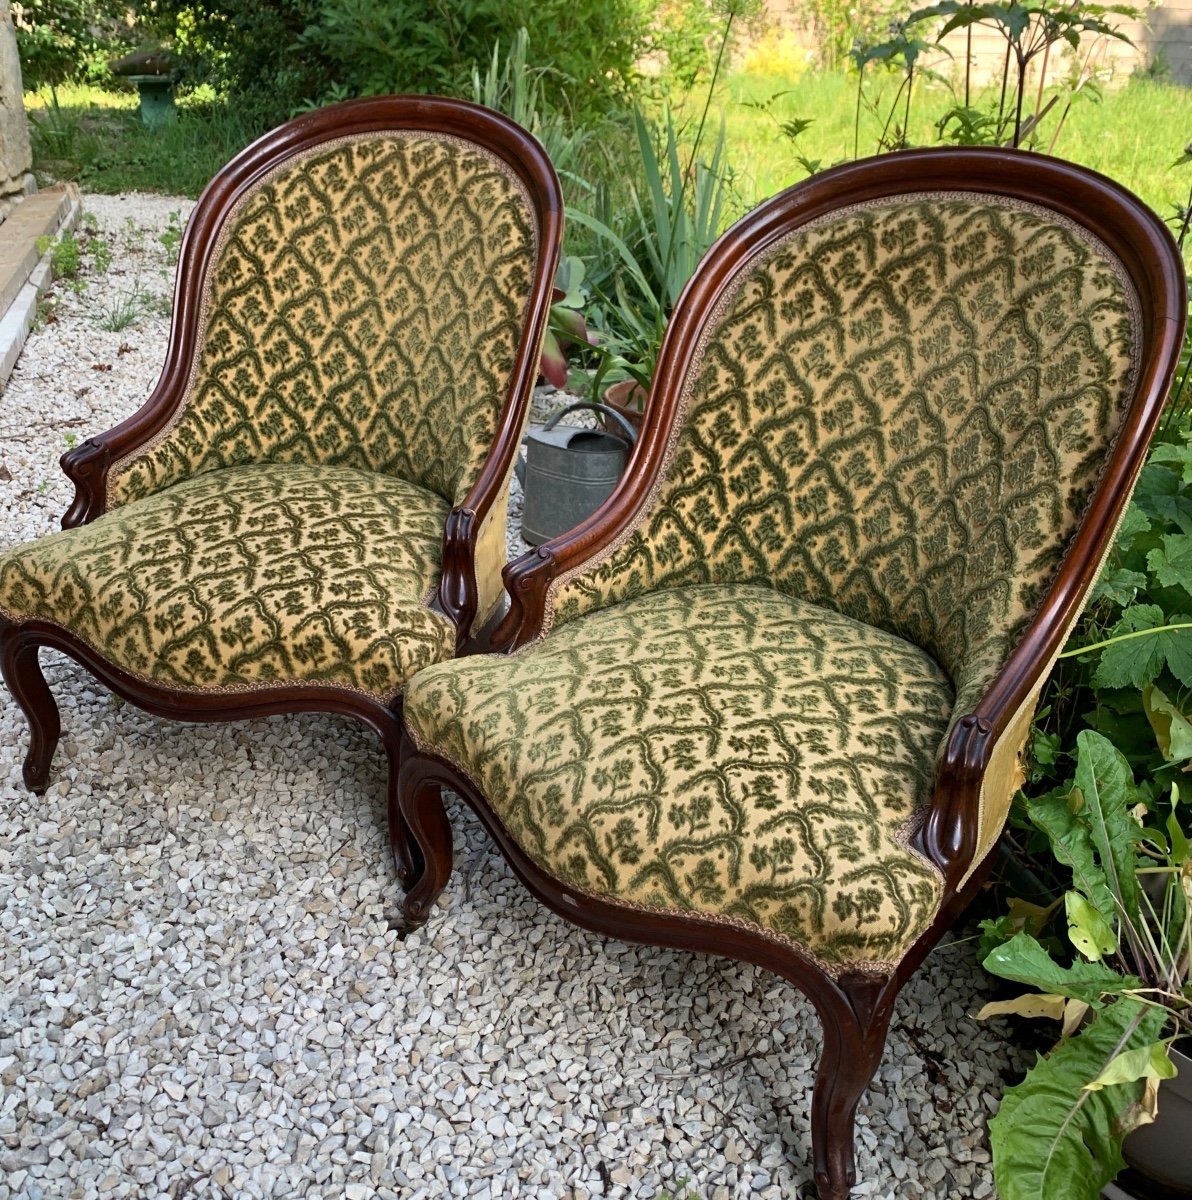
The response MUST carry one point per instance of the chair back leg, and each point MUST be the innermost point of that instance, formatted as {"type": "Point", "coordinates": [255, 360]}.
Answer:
{"type": "Point", "coordinates": [21, 669]}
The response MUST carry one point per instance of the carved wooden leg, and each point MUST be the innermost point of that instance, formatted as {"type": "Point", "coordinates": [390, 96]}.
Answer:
{"type": "Point", "coordinates": [22, 674]}
{"type": "Point", "coordinates": [420, 800]}
{"type": "Point", "coordinates": [854, 1040]}
{"type": "Point", "coordinates": [407, 858]}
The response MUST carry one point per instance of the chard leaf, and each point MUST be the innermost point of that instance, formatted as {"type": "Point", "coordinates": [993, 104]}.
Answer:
{"type": "Point", "coordinates": [1024, 960]}
{"type": "Point", "coordinates": [1052, 1139]}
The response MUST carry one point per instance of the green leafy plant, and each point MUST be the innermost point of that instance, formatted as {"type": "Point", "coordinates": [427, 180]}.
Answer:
{"type": "Point", "coordinates": [171, 237]}
{"type": "Point", "coordinates": [1120, 966]}
{"type": "Point", "coordinates": [64, 255]}
{"type": "Point", "coordinates": [676, 212]}
{"type": "Point", "coordinates": [566, 323]}
{"type": "Point", "coordinates": [1032, 31]}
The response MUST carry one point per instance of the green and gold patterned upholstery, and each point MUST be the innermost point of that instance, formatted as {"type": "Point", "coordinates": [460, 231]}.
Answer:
{"type": "Point", "coordinates": [721, 749]}
{"type": "Point", "coordinates": [364, 312]}
{"type": "Point", "coordinates": [900, 412]}
{"type": "Point", "coordinates": [356, 338]}
{"type": "Point", "coordinates": [247, 577]}
{"type": "Point", "coordinates": [888, 433]}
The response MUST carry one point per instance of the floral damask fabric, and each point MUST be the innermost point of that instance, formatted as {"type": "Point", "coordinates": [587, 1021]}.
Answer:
{"type": "Point", "coordinates": [899, 412]}
{"type": "Point", "coordinates": [248, 577]}
{"type": "Point", "coordinates": [364, 311]}
{"type": "Point", "coordinates": [722, 750]}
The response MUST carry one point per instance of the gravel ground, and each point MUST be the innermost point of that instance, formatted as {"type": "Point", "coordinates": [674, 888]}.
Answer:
{"type": "Point", "coordinates": [200, 994]}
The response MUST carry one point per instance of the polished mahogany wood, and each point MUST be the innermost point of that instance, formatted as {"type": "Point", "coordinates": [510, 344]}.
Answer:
{"type": "Point", "coordinates": [854, 1009]}
{"type": "Point", "coordinates": [88, 464]}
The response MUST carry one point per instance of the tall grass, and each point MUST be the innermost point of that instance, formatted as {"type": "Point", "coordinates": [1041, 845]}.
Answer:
{"type": "Point", "coordinates": [1133, 133]}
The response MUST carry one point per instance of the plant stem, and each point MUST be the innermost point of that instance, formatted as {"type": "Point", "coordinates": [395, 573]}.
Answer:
{"type": "Point", "coordinates": [1124, 637]}
{"type": "Point", "coordinates": [1001, 104]}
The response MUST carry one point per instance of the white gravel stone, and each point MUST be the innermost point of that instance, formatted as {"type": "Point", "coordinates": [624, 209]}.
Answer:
{"type": "Point", "coordinates": [200, 993]}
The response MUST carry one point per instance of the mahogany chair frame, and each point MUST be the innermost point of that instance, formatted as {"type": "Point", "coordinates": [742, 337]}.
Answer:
{"type": "Point", "coordinates": [854, 1007]}
{"type": "Point", "coordinates": [88, 464]}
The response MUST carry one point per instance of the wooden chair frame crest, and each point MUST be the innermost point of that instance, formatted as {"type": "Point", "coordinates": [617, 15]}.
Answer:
{"type": "Point", "coordinates": [854, 1008]}
{"type": "Point", "coordinates": [89, 463]}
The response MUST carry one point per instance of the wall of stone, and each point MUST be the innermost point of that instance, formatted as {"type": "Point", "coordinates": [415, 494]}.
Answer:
{"type": "Point", "coordinates": [16, 156]}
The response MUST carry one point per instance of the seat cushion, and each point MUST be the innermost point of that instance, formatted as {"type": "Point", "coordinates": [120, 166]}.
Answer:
{"type": "Point", "coordinates": [247, 577]}
{"type": "Point", "coordinates": [722, 750]}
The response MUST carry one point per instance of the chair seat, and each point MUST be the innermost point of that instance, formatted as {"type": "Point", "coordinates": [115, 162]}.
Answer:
{"type": "Point", "coordinates": [250, 576]}
{"type": "Point", "coordinates": [720, 750]}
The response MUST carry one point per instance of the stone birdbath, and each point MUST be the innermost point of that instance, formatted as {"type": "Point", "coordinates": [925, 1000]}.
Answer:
{"type": "Point", "coordinates": [151, 71]}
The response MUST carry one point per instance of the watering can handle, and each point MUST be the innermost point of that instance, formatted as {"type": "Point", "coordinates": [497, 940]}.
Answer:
{"type": "Point", "coordinates": [603, 409]}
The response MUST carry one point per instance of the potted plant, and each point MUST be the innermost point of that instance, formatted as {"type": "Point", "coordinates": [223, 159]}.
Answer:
{"type": "Point", "coordinates": [1109, 959]}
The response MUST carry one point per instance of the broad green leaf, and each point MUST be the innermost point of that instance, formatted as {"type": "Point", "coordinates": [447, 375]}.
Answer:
{"type": "Point", "coordinates": [1179, 456]}
{"type": "Point", "coordinates": [1052, 1139]}
{"type": "Point", "coordinates": [1135, 661]}
{"type": "Point", "coordinates": [1072, 844]}
{"type": "Point", "coordinates": [1107, 784]}
{"type": "Point", "coordinates": [1023, 960]}
{"type": "Point", "coordinates": [1119, 585]}
{"type": "Point", "coordinates": [1088, 930]}
{"type": "Point", "coordinates": [1160, 493]}
{"type": "Point", "coordinates": [1030, 1004]}
{"type": "Point", "coordinates": [1173, 731]}
{"type": "Point", "coordinates": [1143, 1062]}
{"type": "Point", "coordinates": [1171, 563]}
{"type": "Point", "coordinates": [1134, 522]}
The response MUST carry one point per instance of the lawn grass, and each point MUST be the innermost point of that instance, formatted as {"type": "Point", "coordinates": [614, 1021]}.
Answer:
{"type": "Point", "coordinates": [96, 139]}
{"type": "Point", "coordinates": [1133, 133]}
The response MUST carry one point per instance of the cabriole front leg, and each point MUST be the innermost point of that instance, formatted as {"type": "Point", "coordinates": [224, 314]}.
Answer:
{"type": "Point", "coordinates": [22, 673]}
{"type": "Point", "coordinates": [854, 1031]}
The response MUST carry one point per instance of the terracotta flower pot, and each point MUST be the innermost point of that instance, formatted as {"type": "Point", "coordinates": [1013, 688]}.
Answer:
{"type": "Point", "coordinates": [627, 398]}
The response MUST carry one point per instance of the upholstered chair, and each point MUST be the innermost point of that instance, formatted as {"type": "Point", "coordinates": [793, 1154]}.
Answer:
{"type": "Point", "coordinates": [770, 701]}
{"type": "Point", "coordinates": [310, 507]}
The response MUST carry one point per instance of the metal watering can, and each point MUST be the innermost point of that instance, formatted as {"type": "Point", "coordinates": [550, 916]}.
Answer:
{"type": "Point", "coordinates": [568, 473]}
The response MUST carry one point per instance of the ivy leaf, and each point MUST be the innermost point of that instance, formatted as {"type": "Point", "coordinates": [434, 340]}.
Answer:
{"type": "Point", "coordinates": [1024, 960]}
{"type": "Point", "coordinates": [1088, 930]}
{"type": "Point", "coordinates": [1106, 782]}
{"type": "Point", "coordinates": [1052, 1138]}
{"type": "Point", "coordinates": [1136, 661]}
{"type": "Point", "coordinates": [1173, 731]}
